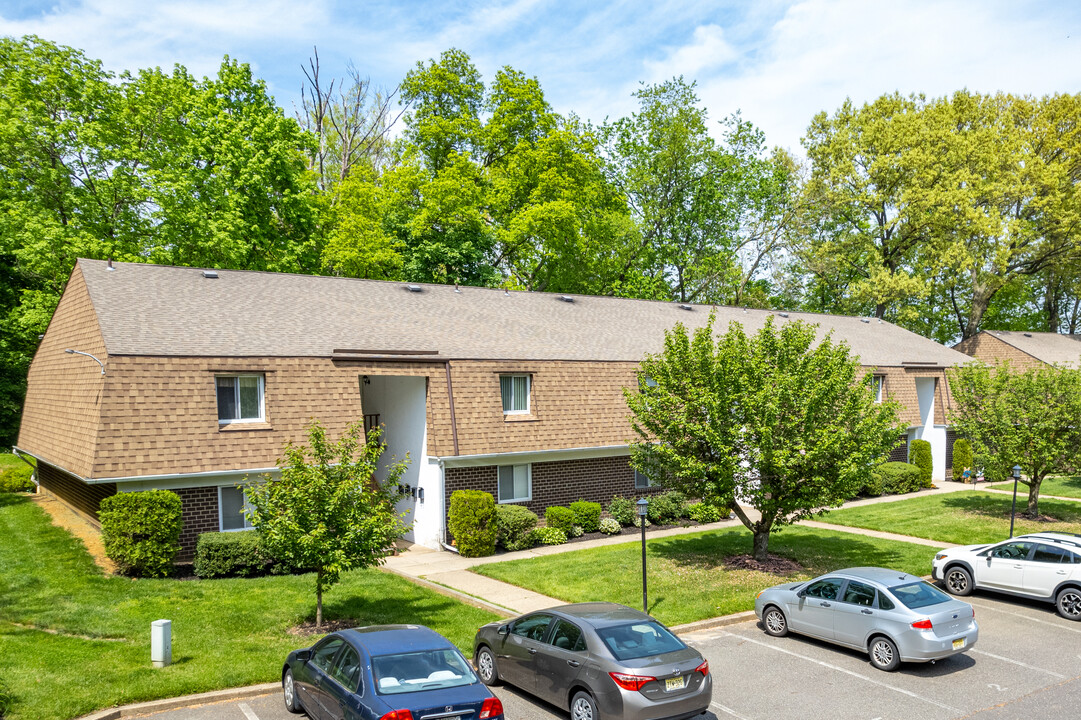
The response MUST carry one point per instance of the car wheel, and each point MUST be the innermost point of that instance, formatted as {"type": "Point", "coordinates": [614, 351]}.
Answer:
{"type": "Point", "coordinates": [289, 691]}
{"type": "Point", "coordinates": [958, 581]}
{"type": "Point", "coordinates": [583, 707]}
{"type": "Point", "coordinates": [774, 621]}
{"type": "Point", "coordinates": [489, 673]}
{"type": "Point", "coordinates": [884, 654]}
{"type": "Point", "coordinates": [1068, 603]}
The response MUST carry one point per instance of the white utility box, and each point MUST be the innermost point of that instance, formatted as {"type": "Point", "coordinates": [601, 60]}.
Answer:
{"type": "Point", "coordinates": [161, 643]}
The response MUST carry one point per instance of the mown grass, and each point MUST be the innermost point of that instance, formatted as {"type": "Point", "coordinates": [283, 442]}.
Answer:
{"type": "Point", "coordinates": [73, 640]}
{"type": "Point", "coordinates": [8, 460]}
{"type": "Point", "coordinates": [687, 576]}
{"type": "Point", "coordinates": [962, 518]}
{"type": "Point", "coordinates": [1061, 485]}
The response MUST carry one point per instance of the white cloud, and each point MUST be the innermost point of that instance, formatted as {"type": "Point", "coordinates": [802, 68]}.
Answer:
{"type": "Point", "coordinates": [707, 51]}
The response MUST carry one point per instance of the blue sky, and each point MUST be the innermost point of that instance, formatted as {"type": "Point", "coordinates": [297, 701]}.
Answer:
{"type": "Point", "coordinates": [778, 62]}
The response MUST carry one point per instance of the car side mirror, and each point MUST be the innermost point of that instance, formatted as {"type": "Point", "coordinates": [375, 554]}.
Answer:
{"type": "Point", "coordinates": [502, 630]}
{"type": "Point", "coordinates": [801, 593]}
{"type": "Point", "coordinates": [304, 655]}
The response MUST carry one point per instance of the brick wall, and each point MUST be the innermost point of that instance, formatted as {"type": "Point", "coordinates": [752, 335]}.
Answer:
{"type": "Point", "coordinates": [899, 453]}
{"type": "Point", "coordinates": [82, 498]}
{"type": "Point", "coordinates": [556, 483]}
{"type": "Point", "coordinates": [200, 516]}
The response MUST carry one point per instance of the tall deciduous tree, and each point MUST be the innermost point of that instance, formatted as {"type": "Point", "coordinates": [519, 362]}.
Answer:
{"type": "Point", "coordinates": [777, 419]}
{"type": "Point", "coordinates": [1026, 418]}
{"type": "Point", "coordinates": [327, 512]}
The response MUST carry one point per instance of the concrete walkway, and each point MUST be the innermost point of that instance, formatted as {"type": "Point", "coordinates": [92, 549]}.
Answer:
{"type": "Point", "coordinates": [449, 572]}
{"type": "Point", "coordinates": [1022, 494]}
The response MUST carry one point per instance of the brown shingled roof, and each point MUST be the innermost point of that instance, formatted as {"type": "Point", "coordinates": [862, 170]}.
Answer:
{"type": "Point", "coordinates": [1045, 346]}
{"type": "Point", "coordinates": [160, 310]}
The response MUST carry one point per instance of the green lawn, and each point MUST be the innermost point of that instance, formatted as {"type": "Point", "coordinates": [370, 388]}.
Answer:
{"type": "Point", "coordinates": [73, 640]}
{"type": "Point", "coordinates": [963, 518]}
{"type": "Point", "coordinates": [8, 460]}
{"type": "Point", "coordinates": [1061, 485]}
{"type": "Point", "coordinates": [687, 577]}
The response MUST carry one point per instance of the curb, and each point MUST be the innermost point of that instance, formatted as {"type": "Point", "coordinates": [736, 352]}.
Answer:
{"type": "Point", "coordinates": [715, 622]}
{"type": "Point", "coordinates": [127, 711]}
{"type": "Point", "coordinates": [456, 594]}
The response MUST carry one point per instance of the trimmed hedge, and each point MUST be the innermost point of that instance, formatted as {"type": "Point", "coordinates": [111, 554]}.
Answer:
{"type": "Point", "coordinates": [921, 458]}
{"type": "Point", "coordinates": [16, 479]}
{"type": "Point", "coordinates": [962, 459]}
{"type": "Point", "coordinates": [704, 513]}
{"type": "Point", "coordinates": [893, 478]}
{"type": "Point", "coordinates": [666, 508]}
{"type": "Point", "coordinates": [234, 554]}
{"type": "Point", "coordinates": [623, 511]}
{"type": "Point", "coordinates": [560, 517]}
{"type": "Point", "coordinates": [587, 515]}
{"type": "Point", "coordinates": [472, 522]}
{"type": "Point", "coordinates": [513, 523]}
{"type": "Point", "coordinates": [141, 531]}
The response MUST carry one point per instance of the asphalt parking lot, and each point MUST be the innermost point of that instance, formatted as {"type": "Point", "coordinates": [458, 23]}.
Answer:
{"type": "Point", "coordinates": [1027, 664]}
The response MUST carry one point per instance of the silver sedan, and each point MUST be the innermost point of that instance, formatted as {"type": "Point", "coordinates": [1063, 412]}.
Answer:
{"type": "Point", "coordinates": [893, 616]}
{"type": "Point", "coordinates": [601, 661]}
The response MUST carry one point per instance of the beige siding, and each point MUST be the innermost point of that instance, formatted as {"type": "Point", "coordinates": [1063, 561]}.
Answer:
{"type": "Point", "coordinates": [990, 349]}
{"type": "Point", "coordinates": [901, 385]}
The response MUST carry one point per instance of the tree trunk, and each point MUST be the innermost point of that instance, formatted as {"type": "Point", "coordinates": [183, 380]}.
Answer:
{"type": "Point", "coordinates": [319, 600]}
{"type": "Point", "coordinates": [1033, 510]}
{"type": "Point", "coordinates": [761, 543]}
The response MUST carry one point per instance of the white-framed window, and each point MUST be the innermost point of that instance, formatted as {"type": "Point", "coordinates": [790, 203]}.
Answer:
{"type": "Point", "coordinates": [515, 392]}
{"type": "Point", "coordinates": [232, 504]}
{"type": "Point", "coordinates": [240, 398]}
{"type": "Point", "coordinates": [878, 383]}
{"type": "Point", "coordinates": [641, 482]}
{"type": "Point", "coordinates": [515, 483]}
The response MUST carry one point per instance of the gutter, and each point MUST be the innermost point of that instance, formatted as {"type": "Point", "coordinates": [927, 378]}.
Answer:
{"type": "Point", "coordinates": [136, 478]}
{"type": "Point", "coordinates": [594, 451]}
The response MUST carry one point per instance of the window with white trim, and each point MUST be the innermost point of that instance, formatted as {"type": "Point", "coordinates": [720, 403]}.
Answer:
{"type": "Point", "coordinates": [641, 482]}
{"type": "Point", "coordinates": [515, 483]}
{"type": "Point", "coordinates": [232, 504]}
{"type": "Point", "coordinates": [878, 384]}
{"type": "Point", "coordinates": [240, 398]}
{"type": "Point", "coordinates": [515, 392]}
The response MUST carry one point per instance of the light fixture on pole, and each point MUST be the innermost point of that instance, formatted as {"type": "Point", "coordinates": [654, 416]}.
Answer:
{"type": "Point", "coordinates": [69, 351]}
{"type": "Point", "coordinates": [643, 510]}
{"type": "Point", "coordinates": [1013, 512]}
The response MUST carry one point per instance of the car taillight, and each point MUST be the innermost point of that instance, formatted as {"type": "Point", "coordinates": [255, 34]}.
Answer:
{"type": "Point", "coordinates": [924, 624]}
{"type": "Point", "coordinates": [491, 708]}
{"type": "Point", "coordinates": [973, 613]}
{"type": "Point", "coordinates": [703, 668]}
{"type": "Point", "coordinates": [630, 682]}
{"type": "Point", "coordinates": [398, 715]}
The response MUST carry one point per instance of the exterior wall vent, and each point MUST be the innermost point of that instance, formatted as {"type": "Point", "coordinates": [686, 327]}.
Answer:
{"type": "Point", "coordinates": [210, 274]}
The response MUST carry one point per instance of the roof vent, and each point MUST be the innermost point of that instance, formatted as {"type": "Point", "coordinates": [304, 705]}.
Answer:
{"type": "Point", "coordinates": [566, 298]}
{"type": "Point", "coordinates": [784, 315]}
{"type": "Point", "coordinates": [685, 306]}
{"type": "Point", "coordinates": [864, 320]}
{"type": "Point", "coordinates": [1027, 334]}
{"type": "Point", "coordinates": [110, 267]}
{"type": "Point", "coordinates": [210, 274]}
{"type": "Point", "coordinates": [414, 288]}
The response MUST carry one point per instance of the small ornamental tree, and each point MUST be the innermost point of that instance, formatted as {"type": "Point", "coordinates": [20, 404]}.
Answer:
{"type": "Point", "coordinates": [327, 512]}
{"type": "Point", "coordinates": [776, 419]}
{"type": "Point", "coordinates": [962, 459]}
{"type": "Point", "coordinates": [924, 460]}
{"type": "Point", "coordinates": [1012, 417]}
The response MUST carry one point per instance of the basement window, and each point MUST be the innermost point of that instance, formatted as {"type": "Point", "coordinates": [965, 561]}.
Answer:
{"type": "Point", "coordinates": [232, 502]}
{"type": "Point", "coordinates": [515, 483]}
{"type": "Point", "coordinates": [240, 398]}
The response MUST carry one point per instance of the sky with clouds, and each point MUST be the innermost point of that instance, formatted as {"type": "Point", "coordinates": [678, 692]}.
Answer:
{"type": "Point", "coordinates": [777, 62]}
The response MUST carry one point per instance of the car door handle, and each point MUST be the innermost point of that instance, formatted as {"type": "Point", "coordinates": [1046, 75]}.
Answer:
{"type": "Point", "coordinates": [573, 663]}
{"type": "Point", "coordinates": [866, 612]}
{"type": "Point", "coordinates": [1018, 567]}
{"type": "Point", "coordinates": [1061, 572]}
{"type": "Point", "coordinates": [825, 604]}
{"type": "Point", "coordinates": [532, 651]}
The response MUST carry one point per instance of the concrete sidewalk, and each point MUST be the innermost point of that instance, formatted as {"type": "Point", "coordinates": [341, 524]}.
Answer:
{"type": "Point", "coordinates": [449, 572]}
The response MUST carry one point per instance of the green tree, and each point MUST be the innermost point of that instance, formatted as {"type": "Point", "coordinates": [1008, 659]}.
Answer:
{"type": "Point", "coordinates": [1013, 417]}
{"type": "Point", "coordinates": [777, 419]}
{"type": "Point", "coordinates": [327, 512]}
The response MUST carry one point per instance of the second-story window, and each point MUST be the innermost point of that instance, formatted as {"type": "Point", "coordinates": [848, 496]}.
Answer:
{"type": "Point", "coordinates": [515, 392]}
{"type": "Point", "coordinates": [878, 384]}
{"type": "Point", "coordinates": [240, 398]}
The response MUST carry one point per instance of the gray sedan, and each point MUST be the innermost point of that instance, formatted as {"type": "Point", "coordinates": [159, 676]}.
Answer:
{"type": "Point", "coordinates": [599, 660]}
{"type": "Point", "coordinates": [893, 616]}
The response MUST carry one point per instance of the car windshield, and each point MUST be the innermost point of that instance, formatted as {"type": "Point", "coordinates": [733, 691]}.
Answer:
{"type": "Point", "coordinates": [416, 671]}
{"type": "Point", "coordinates": [638, 640]}
{"type": "Point", "coordinates": [919, 594]}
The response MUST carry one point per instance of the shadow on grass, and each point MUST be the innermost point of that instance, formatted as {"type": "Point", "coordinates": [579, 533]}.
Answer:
{"type": "Point", "coordinates": [383, 611]}
{"type": "Point", "coordinates": [998, 507]}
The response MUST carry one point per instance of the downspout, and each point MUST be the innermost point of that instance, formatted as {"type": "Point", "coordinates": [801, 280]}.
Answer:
{"type": "Point", "coordinates": [442, 466]}
{"type": "Point", "coordinates": [34, 475]}
{"type": "Point", "coordinates": [453, 421]}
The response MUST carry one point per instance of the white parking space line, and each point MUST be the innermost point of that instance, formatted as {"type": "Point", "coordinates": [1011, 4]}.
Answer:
{"type": "Point", "coordinates": [728, 711]}
{"type": "Point", "coordinates": [248, 712]}
{"type": "Point", "coordinates": [847, 672]}
{"type": "Point", "coordinates": [1023, 616]}
{"type": "Point", "coordinates": [1017, 662]}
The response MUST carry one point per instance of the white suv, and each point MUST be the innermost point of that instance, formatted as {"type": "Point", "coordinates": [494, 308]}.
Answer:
{"type": "Point", "coordinates": [1046, 566]}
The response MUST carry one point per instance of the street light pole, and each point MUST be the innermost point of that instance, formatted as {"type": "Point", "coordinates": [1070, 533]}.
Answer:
{"type": "Point", "coordinates": [643, 509]}
{"type": "Point", "coordinates": [1013, 512]}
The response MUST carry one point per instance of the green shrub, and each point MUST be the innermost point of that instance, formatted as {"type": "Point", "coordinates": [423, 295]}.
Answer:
{"type": "Point", "coordinates": [549, 535]}
{"type": "Point", "coordinates": [895, 478]}
{"type": "Point", "coordinates": [873, 486]}
{"type": "Point", "coordinates": [587, 515]}
{"type": "Point", "coordinates": [560, 517]}
{"type": "Point", "coordinates": [16, 479]}
{"type": "Point", "coordinates": [610, 526]}
{"type": "Point", "coordinates": [513, 523]}
{"type": "Point", "coordinates": [624, 511]}
{"type": "Point", "coordinates": [921, 458]}
{"type": "Point", "coordinates": [962, 458]}
{"type": "Point", "coordinates": [232, 554]}
{"type": "Point", "coordinates": [704, 513]}
{"type": "Point", "coordinates": [141, 531]}
{"type": "Point", "coordinates": [667, 507]}
{"type": "Point", "coordinates": [472, 522]}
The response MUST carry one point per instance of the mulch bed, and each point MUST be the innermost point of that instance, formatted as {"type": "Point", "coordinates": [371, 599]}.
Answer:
{"type": "Point", "coordinates": [307, 629]}
{"type": "Point", "coordinates": [774, 564]}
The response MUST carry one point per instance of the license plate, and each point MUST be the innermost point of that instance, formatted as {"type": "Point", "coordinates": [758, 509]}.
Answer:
{"type": "Point", "coordinates": [675, 683]}
{"type": "Point", "coordinates": [958, 643]}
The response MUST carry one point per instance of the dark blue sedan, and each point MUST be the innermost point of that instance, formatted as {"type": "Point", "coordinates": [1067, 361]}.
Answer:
{"type": "Point", "coordinates": [386, 672]}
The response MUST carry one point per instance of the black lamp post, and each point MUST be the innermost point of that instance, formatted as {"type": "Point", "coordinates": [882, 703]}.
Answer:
{"type": "Point", "coordinates": [643, 509]}
{"type": "Point", "coordinates": [1013, 512]}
